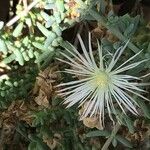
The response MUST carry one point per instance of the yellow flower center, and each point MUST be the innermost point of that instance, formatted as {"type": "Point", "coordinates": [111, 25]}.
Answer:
{"type": "Point", "coordinates": [101, 79]}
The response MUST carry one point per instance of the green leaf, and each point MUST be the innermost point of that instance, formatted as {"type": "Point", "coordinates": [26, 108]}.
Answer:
{"type": "Point", "coordinates": [31, 53]}
{"type": "Point", "coordinates": [49, 23]}
{"type": "Point", "coordinates": [18, 29]}
{"type": "Point", "coordinates": [1, 24]}
{"type": "Point", "coordinates": [148, 48]}
{"type": "Point", "coordinates": [49, 39]}
{"type": "Point", "coordinates": [8, 83]}
{"type": "Point", "coordinates": [136, 22]}
{"type": "Point", "coordinates": [46, 54]}
{"type": "Point", "coordinates": [3, 47]}
{"type": "Point", "coordinates": [36, 54]}
{"type": "Point", "coordinates": [41, 146]}
{"type": "Point", "coordinates": [39, 46]}
{"type": "Point", "coordinates": [9, 59]}
{"type": "Point", "coordinates": [37, 144]}
{"type": "Point", "coordinates": [80, 146]}
{"type": "Point", "coordinates": [98, 133]}
{"type": "Point", "coordinates": [2, 93]}
{"type": "Point", "coordinates": [102, 6]}
{"type": "Point", "coordinates": [129, 124]}
{"type": "Point", "coordinates": [124, 141]}
{"type": "Point", "coordinates": [19, 56]}
{"type": "Point", "coordinates": [26, 41]}
{"type": "Point", "coordinates": [50, 6]}
{"type": "Point", "coordinates": [28, 21]}
{"type": "Point", "coordinates": [51, 1]}
{"type": "Point", "coordinates": [60, 5]}
{"type": "Point", "coordinates": [49, 19]}
{"type": "Point", "coordinates": [114, 142]}
{"type": "Point", "coordinates": [45, 16]}
{"type": "Point", "coordinates": [57, 16]}
{"type": "Point", "coordinates": [45, 31]}
{"type": "Point", "coordinates": [129, 30]}
{"type": "Point", "coordinates": [47, 132]}
{"type": "Point", "coordinates": [144, 108]}
{"type": "Point", "coordinates": [25, 56]}
{"type": "Point", "coordinates": [32, 146]}
{"type": "Point", "coordinates": [56, 101]}
{"type": "Point", "coordinates": [56, 29]}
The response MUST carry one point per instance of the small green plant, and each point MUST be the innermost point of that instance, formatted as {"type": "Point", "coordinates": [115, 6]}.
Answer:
{"type": "Point", "coordinates": [108, 83]}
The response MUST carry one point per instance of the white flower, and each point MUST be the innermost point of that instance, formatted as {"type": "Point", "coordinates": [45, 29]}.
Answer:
{"type": "Point", "coordinates": [101, 86]}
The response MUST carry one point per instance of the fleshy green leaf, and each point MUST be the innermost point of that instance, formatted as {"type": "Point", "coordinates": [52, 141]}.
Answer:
{"type": "Point", "coordinates": [45, 31]}
{"type": "Point", "coordinates": [124, 141]}
{"type": "Point", "coordinates": [98, 133]}
{"type": "Point", "coordinates": [60, 5]}
{"type": "Point", "coordinates": [3, 47]}
{"type": "Point", "coordinates": [129, 124]}
{"type": "Point", "coordinates": [1, 24]}
{"type": "Point", "coordinates": [18, 30]}
{"type": "Point", "coordinates": [144, 108]}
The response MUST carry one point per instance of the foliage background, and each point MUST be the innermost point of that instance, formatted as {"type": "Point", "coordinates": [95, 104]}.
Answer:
{"type": "Point", "coordinates": [32, 115]}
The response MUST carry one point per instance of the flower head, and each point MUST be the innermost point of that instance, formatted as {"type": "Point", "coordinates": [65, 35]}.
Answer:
{"type": "Point", "coordinates": [101, 85]}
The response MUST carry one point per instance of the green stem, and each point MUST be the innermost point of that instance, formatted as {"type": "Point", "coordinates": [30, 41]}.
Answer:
{"type": "Point", "coordinates": [109, 140]}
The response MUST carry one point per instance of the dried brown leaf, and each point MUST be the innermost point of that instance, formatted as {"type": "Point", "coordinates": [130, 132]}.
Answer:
{"type": "Point", "coordinates": [44, 86]}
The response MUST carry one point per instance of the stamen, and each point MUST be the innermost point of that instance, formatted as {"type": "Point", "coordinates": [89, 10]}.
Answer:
{"type": "Point", "coordinates": [101, 79]}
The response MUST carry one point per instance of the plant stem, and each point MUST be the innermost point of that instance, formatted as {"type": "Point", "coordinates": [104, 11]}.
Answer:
{"type": "Point", "coordinates": [109, 140]}
{"type": "Point", "coordinates": [24, 12]}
